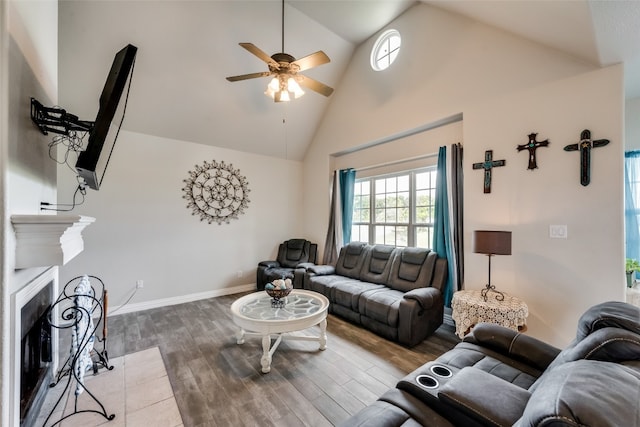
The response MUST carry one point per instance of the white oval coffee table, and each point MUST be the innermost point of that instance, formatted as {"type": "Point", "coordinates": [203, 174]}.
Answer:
{"type": "Point", "coordinates": [255, 316]}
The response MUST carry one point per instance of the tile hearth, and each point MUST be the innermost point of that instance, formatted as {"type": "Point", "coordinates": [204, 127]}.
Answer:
{"type": "Point", "coordinates": [137, 391]}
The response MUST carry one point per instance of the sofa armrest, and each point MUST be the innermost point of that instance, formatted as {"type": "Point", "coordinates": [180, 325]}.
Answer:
{"type": "Point", "coordinates": [513, 344]}
{"type": "Point", "coordinates": [484, 397]}
{"type": "Point", "coordinates": [305, 265]}
{"type": "Point", "coordinates": [269, 264]}
{"type": "Point", "coordinates": [425, 297]}
{"type": "Point", "coordinates": [321, 270]}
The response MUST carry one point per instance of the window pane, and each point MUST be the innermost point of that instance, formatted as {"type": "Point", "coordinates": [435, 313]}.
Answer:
{"type": "Point", "coordinates": [402, 236]}
{"type": "Point", "coordinates": [403, 199]}
{"type": "Point", "coordinates": [423, 237]}
{"type": "Point", "coordinates": [403, 183]}
{"type": "Point", "coordinates": [380, 188]}
{"type": "Point", "coordinates": [403, 215]}
{"type": "Point", "coordinates": [391, 185]}
{"type": "Point", "coordinates": [390, 215]}
{"type": "Point", "coordinates": [379, 235]}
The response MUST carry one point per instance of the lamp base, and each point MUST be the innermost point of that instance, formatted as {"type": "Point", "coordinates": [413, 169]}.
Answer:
{"type": "Point", "coordinates": [490, 288]}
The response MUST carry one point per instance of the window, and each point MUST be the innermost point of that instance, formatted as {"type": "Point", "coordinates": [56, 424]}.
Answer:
{"type": "Point", "coordinates": [396, 209]}
{"type": "Point", "coordinates": [385, 50]}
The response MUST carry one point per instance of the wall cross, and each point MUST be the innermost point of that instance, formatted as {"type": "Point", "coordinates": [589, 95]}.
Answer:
{"type": "Point", "coordinates": [532, 145]}
{"type": "Point", "coordinates": [487, 165]}
{"type": "Point", "coordinates": [585, 145]}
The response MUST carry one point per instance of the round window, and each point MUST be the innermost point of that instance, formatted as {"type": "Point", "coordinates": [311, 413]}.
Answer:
{"type": "Point", "coordinates": [385, 50]}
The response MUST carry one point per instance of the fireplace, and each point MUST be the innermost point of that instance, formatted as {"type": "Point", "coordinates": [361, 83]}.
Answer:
{"type": "Point", "coordinates": [42, 243]}
{"type": "Point", "coordinates": [35, 354]}
{"type": "Point", "coordinates": [35, 347]}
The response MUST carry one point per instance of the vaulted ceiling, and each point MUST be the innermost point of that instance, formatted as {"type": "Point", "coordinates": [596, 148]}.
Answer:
{"type": "Point", "coordinates": [187, 48]}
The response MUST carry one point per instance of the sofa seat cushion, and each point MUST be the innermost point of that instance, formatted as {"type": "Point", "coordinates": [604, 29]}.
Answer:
{"type": "Point", "coordinates": [278, 273]}
{"type": "Point", "coordinates": [348, 292]}
{"type": "Point", "coordinates": [325, 284]}
{"type": "Point", "coordinates": [467, 354]}
{"type": "Point", "coordinates": [381, 305]}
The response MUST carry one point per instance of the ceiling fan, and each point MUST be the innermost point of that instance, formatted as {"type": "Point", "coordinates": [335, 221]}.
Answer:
{"type": "Point", "coordinates": [285, 70]}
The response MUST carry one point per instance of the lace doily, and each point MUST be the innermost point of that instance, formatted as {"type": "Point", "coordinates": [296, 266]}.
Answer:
{"type": "Point", "coordinates": [469, 308]}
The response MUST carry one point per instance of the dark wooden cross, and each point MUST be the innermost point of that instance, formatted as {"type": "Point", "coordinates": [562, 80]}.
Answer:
{"type": "Point", "coordinates": [487, 165]}
{"type": "Point", "coordinates": [585, 145]}
{"type": "Point", "coordinates": [532, 145]}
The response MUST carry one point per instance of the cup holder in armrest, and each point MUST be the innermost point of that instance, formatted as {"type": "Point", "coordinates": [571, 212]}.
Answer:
{"type": "Point", "coordinates": [427, 381]}
{"type": "Point", "coordinates": [441, 371]}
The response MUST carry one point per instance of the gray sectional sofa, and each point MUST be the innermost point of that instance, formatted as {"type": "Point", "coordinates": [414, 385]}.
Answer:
{"type": "Point", "coordinates": [394, 292]}
{"type": "Point", "coordinates": [499, 377]}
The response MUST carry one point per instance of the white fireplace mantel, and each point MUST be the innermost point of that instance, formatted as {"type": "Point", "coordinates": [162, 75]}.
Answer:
{"type": "Point", "coordinates": [46, 240]}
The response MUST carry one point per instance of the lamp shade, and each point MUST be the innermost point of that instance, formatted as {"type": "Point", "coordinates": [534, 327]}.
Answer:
{"type": "Point", "coordinates": [492, 242]}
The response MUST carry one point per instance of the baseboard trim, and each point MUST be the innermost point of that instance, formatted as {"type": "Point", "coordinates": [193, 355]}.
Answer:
{"type": "Point", "coordinates": [147, 305]}
{"type": "Point", "coordinates": [448, 320]}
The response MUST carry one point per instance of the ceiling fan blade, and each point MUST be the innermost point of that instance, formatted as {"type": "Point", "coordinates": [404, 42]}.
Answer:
{"type": "Point", "coordinates": [312, 60]}
{"type": "Point", "coordinates": [314, 85]}
{"type": "Point", "coordinates": [248, 76]}
{"type": "Point", "coordinates": [260, 54]}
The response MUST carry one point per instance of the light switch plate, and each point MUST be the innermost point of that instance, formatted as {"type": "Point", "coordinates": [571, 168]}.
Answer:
{"type": "Point", "coordinates": [558, 231]}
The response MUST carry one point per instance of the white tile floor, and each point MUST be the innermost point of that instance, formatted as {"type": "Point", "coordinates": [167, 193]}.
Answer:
{"type": "Point", "coordinates": [137, 391]}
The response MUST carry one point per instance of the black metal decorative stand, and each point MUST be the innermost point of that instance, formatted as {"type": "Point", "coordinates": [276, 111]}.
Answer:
{"type": "Point", "coordinates": [68, 315]}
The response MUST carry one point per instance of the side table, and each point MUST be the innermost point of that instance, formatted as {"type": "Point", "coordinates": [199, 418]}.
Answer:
{"type": "Point", "coordinates": [469, 308]}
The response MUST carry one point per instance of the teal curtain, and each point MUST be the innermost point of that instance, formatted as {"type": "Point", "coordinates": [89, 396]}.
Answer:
{"type": "Point", "coordinates": [347, 182]}
{"type": "Point", "coordinates": [442, 228]}
{"type": "Point", "coordinates": [632, 207]}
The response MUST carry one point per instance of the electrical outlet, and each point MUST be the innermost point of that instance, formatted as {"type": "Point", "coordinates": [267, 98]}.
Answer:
{"type": "Point", "coordinates": [239, 274]}
{"type": "Point", "coordinates": [139, 284]}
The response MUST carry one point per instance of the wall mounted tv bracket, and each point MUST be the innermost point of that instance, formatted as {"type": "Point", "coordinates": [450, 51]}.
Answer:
{"type": "Point", "coordinates": [57, 120]}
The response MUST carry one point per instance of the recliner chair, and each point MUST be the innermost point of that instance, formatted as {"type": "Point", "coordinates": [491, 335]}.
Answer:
{"type": "Point", "coordinates": [294, 257]}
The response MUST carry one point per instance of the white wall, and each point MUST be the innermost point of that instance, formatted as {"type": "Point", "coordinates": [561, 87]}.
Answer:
{"type": "Point", "coordinates": [558, 278]}
{"type": "Point", "coordinates": [143, 229]}
{"type": "Point", "coordinates": [28, 68]}
{"type": "Point", "coordinates": [450, 65]}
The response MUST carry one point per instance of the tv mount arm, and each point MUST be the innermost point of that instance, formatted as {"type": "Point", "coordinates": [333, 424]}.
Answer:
{"type": "Point", "coordinates": [57, 120]}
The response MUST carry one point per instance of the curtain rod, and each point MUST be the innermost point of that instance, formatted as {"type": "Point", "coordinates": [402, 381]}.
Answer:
{"type": "Point", "coordinates": [395, 162]}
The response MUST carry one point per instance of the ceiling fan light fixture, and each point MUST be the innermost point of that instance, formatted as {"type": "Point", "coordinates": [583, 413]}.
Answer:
{"type": "Point", "coordinates": [293, 86]}
{"type": "Point", "coordinates": [272, 88]}
{"type": "Point", "coordinates": [283, 88]}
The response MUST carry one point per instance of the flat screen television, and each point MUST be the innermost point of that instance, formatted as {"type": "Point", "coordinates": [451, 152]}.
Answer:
{"type": "Point", "coordinates": [93, 161]}
{"type": "Point", "coordinates": [103, 132]}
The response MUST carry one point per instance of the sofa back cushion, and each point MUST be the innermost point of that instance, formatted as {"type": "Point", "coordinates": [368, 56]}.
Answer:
{"type": "Point", "coordinates": [351, 259]}
{"type": "Point", "coordinates": [412, 268]}
{"type": "Point", "coordinates": [608, 314]}
{"type": "Point", "coordinates": [377, 264]}
{"type": "Point", "coordinates": [585, 393]}
{"type": "Point", "coordinates": [293, 251]}
{"type": "Point", "coordinates": [606, 344]}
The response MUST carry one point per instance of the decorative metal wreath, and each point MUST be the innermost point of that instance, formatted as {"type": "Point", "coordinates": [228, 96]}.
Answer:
{"type": "Point", "coordinates": [216, 192]}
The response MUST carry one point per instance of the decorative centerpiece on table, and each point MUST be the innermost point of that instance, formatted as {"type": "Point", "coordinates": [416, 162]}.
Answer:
{"type": "Point", "coordinates": [278, 290]}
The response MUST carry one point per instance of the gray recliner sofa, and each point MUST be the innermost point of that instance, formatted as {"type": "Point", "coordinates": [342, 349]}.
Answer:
{"type": "Point", "coordinates": [499, 377]}
{"type": "Point", "coordinates": [394, 292]}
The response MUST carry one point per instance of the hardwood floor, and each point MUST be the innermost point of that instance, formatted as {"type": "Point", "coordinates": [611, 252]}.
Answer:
{"type": "Point", "coordinates": [217, 382]}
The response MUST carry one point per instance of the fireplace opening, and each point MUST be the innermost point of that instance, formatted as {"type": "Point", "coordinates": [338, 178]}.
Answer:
{"type": "Point", "coordinates": [35, 354]}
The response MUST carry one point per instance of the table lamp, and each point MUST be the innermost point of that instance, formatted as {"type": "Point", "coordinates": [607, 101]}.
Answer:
{"type": "Point", "coordinates": [491, 243]}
